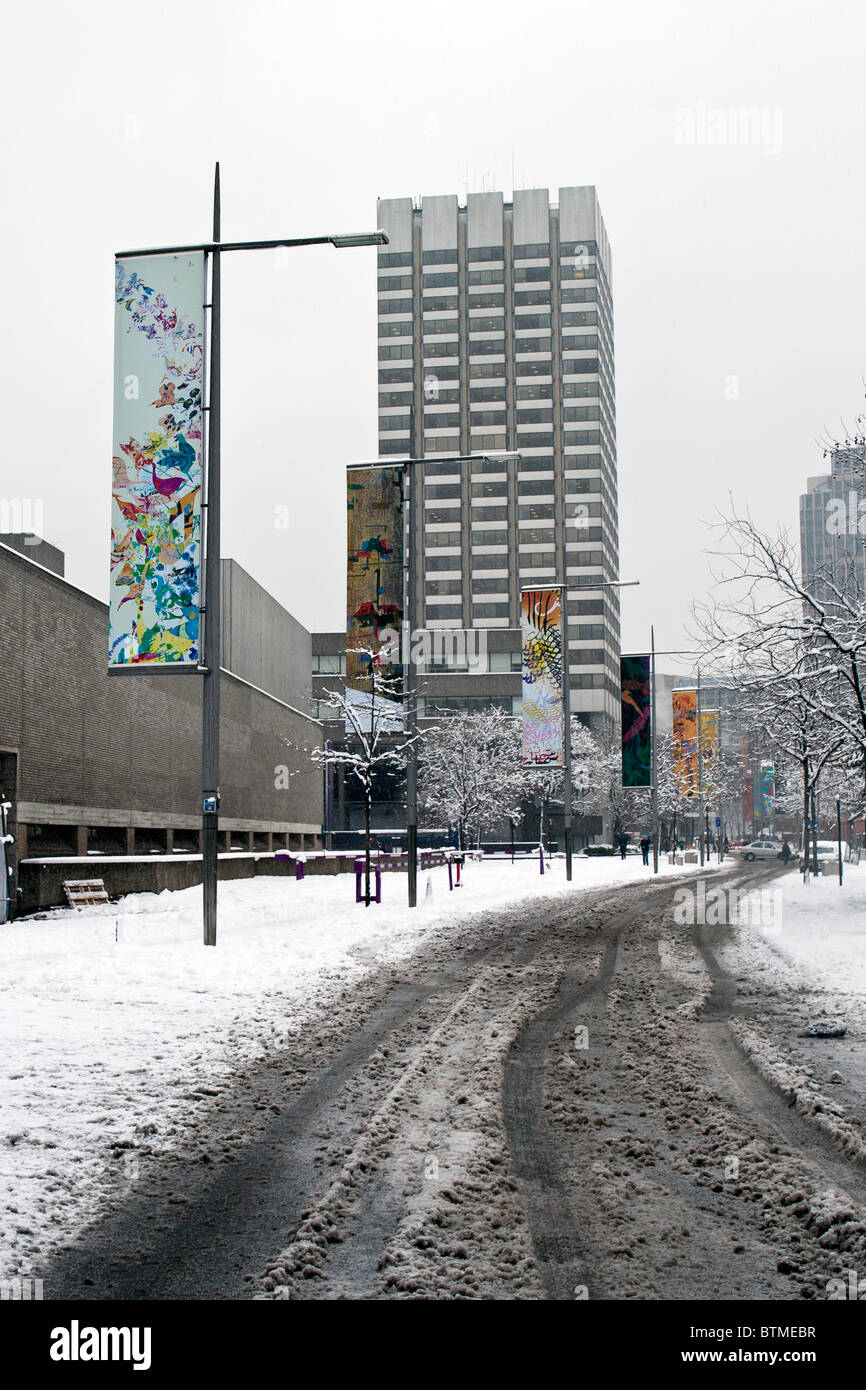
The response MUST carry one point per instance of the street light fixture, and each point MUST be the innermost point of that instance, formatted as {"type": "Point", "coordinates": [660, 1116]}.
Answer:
{"type": "Point", "coordinates": [210, 670]}
{"type": "Point", "coordinates": [410, 679]}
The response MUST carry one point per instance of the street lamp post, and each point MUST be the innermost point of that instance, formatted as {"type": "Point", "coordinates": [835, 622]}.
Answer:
{"type": "Point", "coordinates": [410, 675]}
{"type": "Point", "coordinates": [211, 648]}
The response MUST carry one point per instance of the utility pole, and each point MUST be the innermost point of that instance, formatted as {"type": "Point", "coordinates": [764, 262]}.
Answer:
{"type": "Point", "coordinates": [410, 675]}
{"type": "Point", "coordinates": [700, 775]}
{"type": "Point", "coordinates": [210, 720]}
{"type": "Point", "coordinates": [566, 708]}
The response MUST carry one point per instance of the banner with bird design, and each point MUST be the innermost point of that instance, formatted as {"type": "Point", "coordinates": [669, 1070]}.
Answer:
{"type": "Point", "coordinates": [541, 635]}
{"type": "Point", "coordinates": [636, 705]}
{"type": "Point", "coordinates": [157, 464]}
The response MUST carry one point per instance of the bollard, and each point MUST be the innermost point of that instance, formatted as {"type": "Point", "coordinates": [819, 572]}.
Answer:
{"type": "Point", "coordinates": [299, 868]}
{"type": "Point", "coordinates": [540, 859]}
{"type": "Point", "coordinates": [359, 874]}
{"type": "Point", "coordinates": [378, 884]}
{"type": "Point", "coordinates": [450, 878]}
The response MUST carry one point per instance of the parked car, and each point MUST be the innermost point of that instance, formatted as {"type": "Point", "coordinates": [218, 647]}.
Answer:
{"type": "Point", "coordinates": [759, 849]}
{"type": "Point", "coordinates": [827, 849]}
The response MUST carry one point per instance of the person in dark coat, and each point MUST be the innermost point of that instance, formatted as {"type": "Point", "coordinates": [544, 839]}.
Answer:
{"type": "Point", "coordinates": [645, 844]}
{"type": "Point", "coordinates": [623, 846]}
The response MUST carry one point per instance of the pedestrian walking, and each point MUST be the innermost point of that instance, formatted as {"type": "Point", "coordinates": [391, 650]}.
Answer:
{"type": "Point", "coordinates": [623, 846]}
{"type": "Point", "coordinates": [645, 844]}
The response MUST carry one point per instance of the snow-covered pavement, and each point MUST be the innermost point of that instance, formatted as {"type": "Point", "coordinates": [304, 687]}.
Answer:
{"type": "Point", "coordinates": [115, 1022]}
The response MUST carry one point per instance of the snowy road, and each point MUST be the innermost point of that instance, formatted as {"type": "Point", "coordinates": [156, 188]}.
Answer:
{"type": "Point", "coordinates": [547, 1101]}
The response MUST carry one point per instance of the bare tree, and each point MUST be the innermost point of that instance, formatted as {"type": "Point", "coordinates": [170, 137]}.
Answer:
{"type": "Point", "coordinates": [376, 740]}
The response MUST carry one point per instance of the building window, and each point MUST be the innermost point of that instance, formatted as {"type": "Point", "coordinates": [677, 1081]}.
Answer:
{"type": "Point", "coordinates": [485, 323]}
{"type": "Point", "coordinates": [448, 444]}
{"type": "Point", "coordinates": [391, 351]}
{"type": "Point", "coordinates": [536, 296]}
{"type": "Point", "coordinates": [442, 489]}
{"type": "Point", "coordinates": [389, 374]}
{"type": "Point", "coordinates": [437, 540]}
{"type": "Point", "coordinates": [446, 257]}
{"type": "Point", "coordinates": [438, 563]}
{"type": "Point", "coordinates": [395, 330]}
{"type": "Point", "coordinates": [444, 420]}
{"type": "Point", "coordinates": [329, 664]}
{"type": "Point", "coordinates": [485, 253]}
{"type": "Point", "coordinates": [487, 301]}
{"type": "Point", "coordinates": [395, 282]}
{"type": "Point", "coordinates": [441, 350]}
{"type": "Point", "coordinates": [395, 306]}
{"type": "Point", "coordinates": [434, 326]}
{"type": "Point", "coordinates": [540, 344]}
{"type": "Point", "coordinates": [436, 587]}
{"type": "Point", "coordinates": [486, 417]}
{"type": "Point", "coordinates": [579, 320]}
{"type": "Point", "coordinates": [390, 259]}
{"type": "Point", "coordinates": [444, 610]}
{"type": "Point", "coordinates": [490, 610]}
{"type": "Point", "coordinates": [440, 281]}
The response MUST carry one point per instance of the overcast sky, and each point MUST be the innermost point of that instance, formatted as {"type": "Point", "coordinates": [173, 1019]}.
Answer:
{"type": "Point", "coordinates": [739, 297]}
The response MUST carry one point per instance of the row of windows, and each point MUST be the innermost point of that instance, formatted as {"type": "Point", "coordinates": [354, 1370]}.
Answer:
{"type": "Point", "coordinates": [433, 706]}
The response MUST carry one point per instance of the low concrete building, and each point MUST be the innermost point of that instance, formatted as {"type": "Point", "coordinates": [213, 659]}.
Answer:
{"type": "Point", "coordinates": [93, 763]}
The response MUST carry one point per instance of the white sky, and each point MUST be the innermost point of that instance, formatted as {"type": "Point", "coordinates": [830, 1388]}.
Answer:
{"type": "Point", "coordinates": [739, 261]}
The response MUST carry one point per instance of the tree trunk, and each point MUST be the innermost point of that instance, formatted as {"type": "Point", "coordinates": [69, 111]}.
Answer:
{"type": "Point", "coordinates": [805, 845]}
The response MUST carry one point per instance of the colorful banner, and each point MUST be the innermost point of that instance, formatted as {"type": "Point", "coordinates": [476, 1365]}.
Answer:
{"type": "Point", "coordinates": [710, 754]}
{"type": "Point", "coordinates": [541, 634]}
{"type": "Point", "coordinates": [685, 735]}
{"type": "Point", "coordinates": [636, 703]}
{"type": "Point", "coordinates": [374, 585]}
{"type": "Point", "coordinates": [157, 462]}
{"type": "Point", "coordinates": [768, 789]}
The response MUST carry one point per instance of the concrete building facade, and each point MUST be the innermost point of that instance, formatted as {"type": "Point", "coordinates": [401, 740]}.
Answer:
{"type": "Point", "coordinates": [833, 525]}
{"type": "Point", "coordinates": [92, 762]}
{"type": "Point", "coordinates": [496, 334]}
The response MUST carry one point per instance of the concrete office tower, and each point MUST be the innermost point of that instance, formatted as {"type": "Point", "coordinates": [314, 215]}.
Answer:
{"type": "Point", "coordinates": [833, 526]}
{"type": "Point", "coordinates": [496, 327]}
